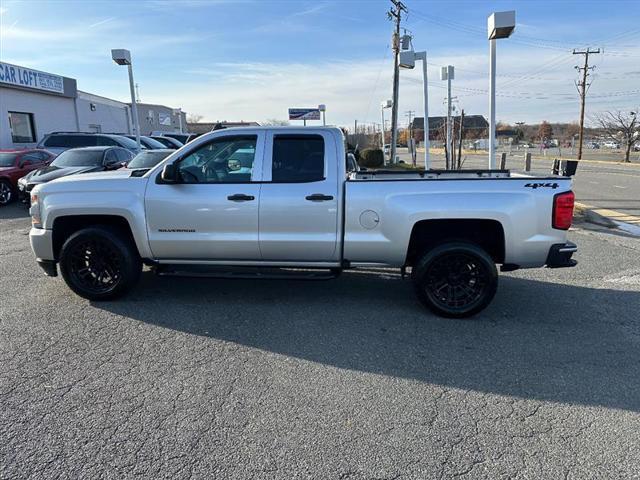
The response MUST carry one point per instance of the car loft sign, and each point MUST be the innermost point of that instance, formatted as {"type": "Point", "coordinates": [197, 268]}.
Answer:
{"type": "Point", "coordinates": [28, 78]}
{"type": "Point", "coordinates": [304, 114]}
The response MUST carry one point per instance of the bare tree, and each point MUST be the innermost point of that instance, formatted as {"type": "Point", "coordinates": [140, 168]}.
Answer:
{"type": "Point", "coordinates": [545, 131]}
{"type": "Point", "coordinates": [194, 118]}
{"type": "Point", "coordinates": [275, 122]}
{"type": "Point", "coordinates": [621, 127]}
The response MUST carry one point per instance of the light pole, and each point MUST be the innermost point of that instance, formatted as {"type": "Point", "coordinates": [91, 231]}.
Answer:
{"type": "Point", "coordinates": [383, 105]}
{"type": "Point", "coordinates": [447, 73]}
{"type": "Point", "coordinates": [323, 108]}
{"type": "Point", "coordinates": [123, 57]}
{"type": "Point", "coordinates": [407, 60]}
{"type": "Point", "coordinates": [499, 25]}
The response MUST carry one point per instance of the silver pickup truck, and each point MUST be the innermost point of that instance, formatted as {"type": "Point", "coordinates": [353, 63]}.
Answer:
{"type": "Point", "coordinates": [286, 201]}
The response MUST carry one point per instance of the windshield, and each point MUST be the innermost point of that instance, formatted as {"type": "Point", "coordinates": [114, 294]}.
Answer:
{"type": "Point", "coordinates": [147, 159]}
{"type": "Point", "coordinates": [7, 159]}
{"type": "Point", "coordinates": [79, 158]}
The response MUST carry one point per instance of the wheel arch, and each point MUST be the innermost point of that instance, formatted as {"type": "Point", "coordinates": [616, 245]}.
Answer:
{"type": "Point", "coordinates": [65, 226]}
{"type": "Point", "coordinates": [486, 233]}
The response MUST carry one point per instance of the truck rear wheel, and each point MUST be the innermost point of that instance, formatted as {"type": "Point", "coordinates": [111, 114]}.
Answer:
{"type": "Point", "coordinates": [455, 280]}
{"type": "Point", "coordinates": [99, 263]}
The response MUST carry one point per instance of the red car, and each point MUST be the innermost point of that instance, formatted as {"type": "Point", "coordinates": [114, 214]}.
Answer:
{"type": "Point", "coordinates": [15, 164]}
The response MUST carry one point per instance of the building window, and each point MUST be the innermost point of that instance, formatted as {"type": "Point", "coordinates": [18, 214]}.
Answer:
{"type": "Point", "coordinates": [22, 129]}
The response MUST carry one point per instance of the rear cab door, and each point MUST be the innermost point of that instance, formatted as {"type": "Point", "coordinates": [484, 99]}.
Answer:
{"type": "Point", "coordinates": [299, 198]}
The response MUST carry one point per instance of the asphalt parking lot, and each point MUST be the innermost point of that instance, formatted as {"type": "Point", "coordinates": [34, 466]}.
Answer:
{"type": "Point", "coordinates": [346, 379]}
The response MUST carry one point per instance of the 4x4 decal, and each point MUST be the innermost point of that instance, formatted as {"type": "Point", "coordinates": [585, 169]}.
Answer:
{"type": "Point", "coordinates": [542, 185]}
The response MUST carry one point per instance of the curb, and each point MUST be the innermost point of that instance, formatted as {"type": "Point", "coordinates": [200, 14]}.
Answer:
{"type": "Point", "coordinates": [608, 218]}
{"type": "Point", "coordinates": [591, 216]}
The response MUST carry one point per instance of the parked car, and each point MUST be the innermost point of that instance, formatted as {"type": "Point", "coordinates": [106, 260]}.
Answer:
{"type": "Point", "coordinates": [147, 142]}
{"type": "Point", "coordinates": [636, 147]}
{"type": "Point", "coordinates": [58, 142]}
{"type": "Point", "coordinates": [594, 145]}
{"type": "Point", "coordinates": [183, 138]}
{"type": "Point", "coordinates": [168, 142]}
{"type": "Point", "coordinates": [15, 164]}
{"type": "Point", "coordinates": [295, 207]}
{"type": "Point", "coordinates": [611, 144]}
{"type": "Point", "coordinates": [148, 159]}
{"type": "Point", "coordinates": [74, 161]}
{"type": "Point", "coordinates": [387, 148]}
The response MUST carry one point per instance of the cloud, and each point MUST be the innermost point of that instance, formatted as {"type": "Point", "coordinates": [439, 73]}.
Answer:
{"type": "Point", "coordinates": [310, 11]}
{"type": "Point", "coordinates": [101, 22]}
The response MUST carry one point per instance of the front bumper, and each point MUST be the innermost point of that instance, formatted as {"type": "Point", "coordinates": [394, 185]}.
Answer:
{"type": "Point", "coordinates": [560, 255]}
{"type": "Point", "coordinates": [41, 241]}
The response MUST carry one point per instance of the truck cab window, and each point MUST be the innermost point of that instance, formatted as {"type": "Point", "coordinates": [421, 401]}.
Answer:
{"type": "Point", "coordinates": [224, 160]}
{"type": "Point", "coordinates": [297, 159]}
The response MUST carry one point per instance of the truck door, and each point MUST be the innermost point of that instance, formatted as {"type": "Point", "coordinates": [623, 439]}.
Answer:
{"type": "Point", "coordinates": [212, 214]}
{"type": "Point", "coordinates": [299, 198]}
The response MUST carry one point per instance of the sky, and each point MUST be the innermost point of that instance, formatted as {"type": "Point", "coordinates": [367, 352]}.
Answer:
{"type": "Point", "coordinates": [253, 59]}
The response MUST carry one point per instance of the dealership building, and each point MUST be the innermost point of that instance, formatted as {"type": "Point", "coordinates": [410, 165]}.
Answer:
{"type": "Point", "coordinates": [34, 103]}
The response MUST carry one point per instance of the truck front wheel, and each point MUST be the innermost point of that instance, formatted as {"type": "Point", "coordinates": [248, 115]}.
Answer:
{"type": "Point", "coordinates": [455, 279]}
{"type": "Point", "coordinates": [99, 263]}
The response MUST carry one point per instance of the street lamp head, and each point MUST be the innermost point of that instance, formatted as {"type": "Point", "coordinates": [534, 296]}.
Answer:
{"type": "Point", "coordinates": [387, 104]}
{"type": "Point", "coordinates": [322, 107]}
{"type": "Point", "coordinates": [447, 73]}
{"type": "Point", "coordinates": [121, 56]}
{"type": "Point", "coordinates": [407, 59]}
{"type": "Point", "coordinates": [501, 24]}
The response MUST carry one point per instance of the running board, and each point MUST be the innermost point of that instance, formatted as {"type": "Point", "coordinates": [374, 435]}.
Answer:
{"type": "Point", "coordinates": [266, 273]}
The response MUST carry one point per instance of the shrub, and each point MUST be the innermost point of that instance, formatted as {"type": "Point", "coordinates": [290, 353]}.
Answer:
{"type": "Point", "coordinates": [371, 158]}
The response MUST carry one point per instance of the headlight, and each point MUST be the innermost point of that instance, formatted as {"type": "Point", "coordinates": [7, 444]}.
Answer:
{"type": "Point", "coordinates": [35, 211]}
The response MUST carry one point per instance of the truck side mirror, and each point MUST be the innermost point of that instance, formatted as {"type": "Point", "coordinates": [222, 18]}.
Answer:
{"type": "Point", "coordinates": [169, 173]}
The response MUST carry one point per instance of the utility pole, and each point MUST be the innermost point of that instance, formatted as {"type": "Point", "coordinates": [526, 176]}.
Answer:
{"type": "Point", "coordinates": [582, 87]}
{"type": "Point", "coordinates": [395, 14]}
{"type": "Point", "coordinates": [137, 93]}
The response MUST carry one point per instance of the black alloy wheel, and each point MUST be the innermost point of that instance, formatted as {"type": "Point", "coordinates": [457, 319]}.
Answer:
{"type": "Point", "coordinates": [95, 265]}
{"type": "Point", "coordinates": [455, 279]}
{"type": "Point", "coordinates": [98, 263]}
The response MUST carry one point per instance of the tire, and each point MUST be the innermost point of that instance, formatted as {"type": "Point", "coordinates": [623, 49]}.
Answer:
{"type": "Point", "coordinates": [7, 192]}
{"type": "Point", "coordinates": [455, 279]}
{"type": "Point", "coordinates": [99, 263]}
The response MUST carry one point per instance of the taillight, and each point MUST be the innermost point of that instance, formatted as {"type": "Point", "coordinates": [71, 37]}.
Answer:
{"type": "Point", "coordinates": [563, 210]}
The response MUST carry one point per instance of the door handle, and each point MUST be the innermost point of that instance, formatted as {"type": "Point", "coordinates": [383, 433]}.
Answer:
{"type": "Point", "coordinates": [240, 197]}
{"type": "Point", "coordinates": [319, 197]}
